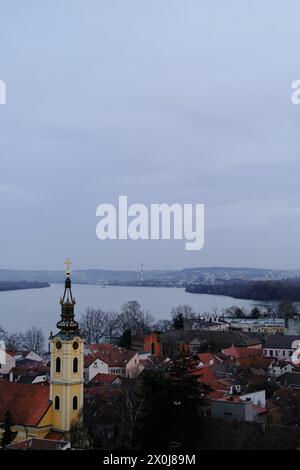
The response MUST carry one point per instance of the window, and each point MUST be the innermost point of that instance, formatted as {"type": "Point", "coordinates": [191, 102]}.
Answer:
{"type": "Point", "coordinates": [283, 353]}
{"type": "Point", "coordinates": [75, 365]}
{"type": "Point", "coordinates": [75, 403]}
{"type": "Point", "coordinates": [56, 403]}
{"type": "Point", "coordinates": [58, 364]}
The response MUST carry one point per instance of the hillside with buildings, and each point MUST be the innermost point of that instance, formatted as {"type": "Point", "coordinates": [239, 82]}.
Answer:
{"type": "Point", "coordinates": [185, 377]}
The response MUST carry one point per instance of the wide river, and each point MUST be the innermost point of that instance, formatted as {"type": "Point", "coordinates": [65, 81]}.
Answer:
{"type": "Point", "coordinates": [22, 309]}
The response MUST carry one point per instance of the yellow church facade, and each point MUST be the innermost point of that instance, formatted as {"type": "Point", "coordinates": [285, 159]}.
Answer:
{"type": "Point", "coordinates": [66, 381]}
{"type": "Point", "coordinates": [39, 410]}
{"type": "Point", "coordinates": [67, 364]}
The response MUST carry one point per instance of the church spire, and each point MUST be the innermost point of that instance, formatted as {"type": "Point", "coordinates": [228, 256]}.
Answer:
{"type": "Point", "coordinates": [67, 324]}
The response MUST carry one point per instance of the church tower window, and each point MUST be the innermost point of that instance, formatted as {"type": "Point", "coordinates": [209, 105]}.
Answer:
{"type": "Point", "coordinates": [75, 365]}
{"type": "Point", "coordinates": [75, 403]}
{"type": "Point", "coordinates": [58, 364]}
{"type": "Point", "coordinates": [57, 403]}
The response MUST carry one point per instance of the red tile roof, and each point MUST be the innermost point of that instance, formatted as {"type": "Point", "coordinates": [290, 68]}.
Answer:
{"type": "Point", "coordinates": [99, 347]}
{"type": "Point", "coordinates": [20, 370]}
{"type": "Point", "coordinates": [27, 403]}
{"type": "Point", "coordinates": [206, 358]}
{"type": "Point", "coordinates": [215, 394]}
{"type": "Point", "coordinates": [11, 353]}
{"type": "Point", "coordinates": [238, 353]}
{"type": "Point", "coordinates": [110, 354]}
{"type": "Point", "coordinates": [204, 374]}
{"type": "Point", "coordinates": [104, 378]}
{"type": "Point", "coordinates": [232, 399]}
{"type": "Point", "coordinates": [258, 362]}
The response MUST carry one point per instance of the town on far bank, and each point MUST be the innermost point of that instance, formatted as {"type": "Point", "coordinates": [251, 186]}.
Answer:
{"type": "Point", "coordinates": [123, 381]}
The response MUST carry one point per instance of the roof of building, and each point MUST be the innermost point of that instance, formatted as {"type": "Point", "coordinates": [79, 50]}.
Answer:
{"type": "Point", "coordinates": [281, 364]}
{"type": "Point", "coordinates": [38, 444]}
{"type": "Point", "coordinates": [237, 399]}
{"type": "Point", "coordinates": [10, 353]}
{"type": "Point", "coordinates": [225, 338]}
{"type": "Point", "coordinates": [39, 370]}
{"type": "Point", "coordinates": [205, 374]}
{"type": "Point", "coordinates": [238, 353]}
{"type": "Point", "coordinates": [26, 353]}
{"type": "Point", "coordinates": [93, 348]}
{"type": "Point", "coordinates": [206, 358]}
{"type": "Point", "coordinates": [280, 341]}
{"type": "Point", "coordinates": [104, 378]}
{"type": "Point", "coordinates": [28, 379]}
{"type": "Point", "coordinates": [255, 362]}
{"type": "Point", "coordinates": [231, 399]}
{"type": "Point", "coordinates": [29, 363]}
{"type": "Point", "coordinates": [215, 394]}
{"type": "Point", "coordinates": [112, 355]}
{"type": "Point", "coordinates": [27, 403]}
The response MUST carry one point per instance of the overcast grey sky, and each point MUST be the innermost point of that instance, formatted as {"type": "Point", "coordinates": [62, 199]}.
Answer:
{"type": "Point", "coordinates": [163, 100]}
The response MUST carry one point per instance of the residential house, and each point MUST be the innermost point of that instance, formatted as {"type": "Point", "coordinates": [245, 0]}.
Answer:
{"type": "Point", "coordinates": [238, 354]}
{"type": "Point", "coordinates": [281, 347]}
{"type": "Point", "coordinates": [21, 356]}
{"type": "Point", "coordinates": [278, 368]}
{"type": "Point", "coordinates": [240, 408]}
{"type": "Point", "coordinates": [196, 341]}
{"type": "Point", "coordinates": [7, 363]}
{"type": "Point", "coordinates": [111, 379]}
{"type": "Point", "coordinates": [109, 359]}
{"type": "Point", "coordinates": [260, 325]}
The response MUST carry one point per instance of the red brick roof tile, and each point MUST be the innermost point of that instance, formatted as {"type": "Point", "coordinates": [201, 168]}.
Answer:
{"type": "Point", "coordinates": [27, 403]}
{"type": "Point", "coordinates": [110, 354]}
{"type": "Point", "coordinates": [104, 378]}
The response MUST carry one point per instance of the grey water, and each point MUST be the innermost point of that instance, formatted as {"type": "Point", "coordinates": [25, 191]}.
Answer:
{"type": "Point", "coordinates": [20, 310]}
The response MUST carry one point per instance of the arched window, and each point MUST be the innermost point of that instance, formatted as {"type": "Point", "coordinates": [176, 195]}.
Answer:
{"type": "Point", "coordinates": [56, 402]}
{"type": "Point", "coordinates": [58, 364]}
{"type": "Point", "coordinates": [75, 403]}
{"type": "Point", "coordinates": [75, 365]}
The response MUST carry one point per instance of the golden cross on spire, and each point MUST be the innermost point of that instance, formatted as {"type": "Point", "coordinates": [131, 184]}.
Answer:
{"type": "Point", "coordinates": [68, 264]}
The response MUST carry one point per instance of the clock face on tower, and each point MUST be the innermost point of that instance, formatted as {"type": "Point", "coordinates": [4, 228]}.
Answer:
{"type": "Point", "coordinates": [58, 345]}
{"type": "Point", "coordinates": [75, 345]}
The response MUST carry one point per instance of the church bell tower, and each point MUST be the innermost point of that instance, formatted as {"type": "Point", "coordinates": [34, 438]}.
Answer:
{"type": "Point", "coordinates": [66, 373]}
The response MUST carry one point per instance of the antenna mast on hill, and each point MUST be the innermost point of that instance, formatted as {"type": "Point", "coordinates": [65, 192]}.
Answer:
{"type": "Point", "coordinates": [142, 274]}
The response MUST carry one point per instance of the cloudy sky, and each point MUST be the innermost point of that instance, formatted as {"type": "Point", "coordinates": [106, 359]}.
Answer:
{"type": "Point", "coordinates": [183, 101]}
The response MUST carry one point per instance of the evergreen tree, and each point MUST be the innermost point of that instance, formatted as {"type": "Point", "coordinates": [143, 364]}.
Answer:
{"type": "Point", "coordinates": [255, 313]}
{"type": "Point", "coordinates": [178, 322]}
{"type": "Point", "coordinates": [173, 414]}
{"type": "Point", "coordinates": [125, 339]}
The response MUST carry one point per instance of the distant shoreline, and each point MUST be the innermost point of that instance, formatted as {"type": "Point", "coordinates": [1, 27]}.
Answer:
{"type": "Point", "coordinates": [6, 286]}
